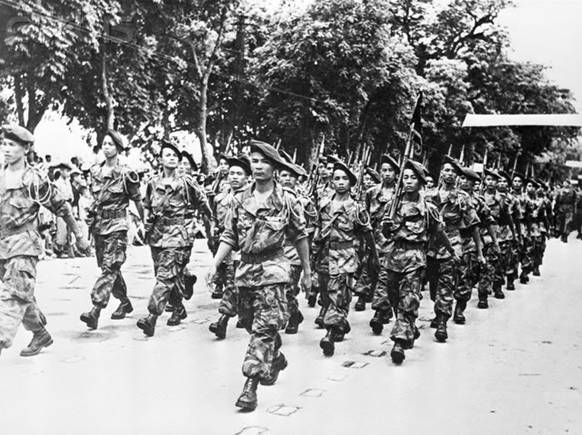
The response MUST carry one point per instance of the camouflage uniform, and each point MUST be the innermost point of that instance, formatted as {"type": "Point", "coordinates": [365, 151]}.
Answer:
{"type": "Point", "coordinates": [112, 189]}
{"type": "Point", "coordinates": [506, 236]}
{"type": "Point", "coordinates": [414, 222]}
{"type": "Point", "coordinates": [20, 247]}
{"type": "Point", "coordinates": [459, 216]}
{"type": "Point", "coordinates": [259, 231]}
{"type": "Point", "coordinates": [537, 231]}
{"type": "Point", "coordinates": [565, 209]}
{"type": "Point", "coordinates": [337, 260]}
{"type": "Point", "coordinates": [225, 274]}
{"type": "Point", "coordinates": [168, 204]}
{"type": "Point", "coordinates": [291, 253]}
{"type": "Point", "coordinates": [489, 214]}
{"type": "Point", "coordinates": [377, 199]}
{"type": "Point", "coordinates": [526, 255]}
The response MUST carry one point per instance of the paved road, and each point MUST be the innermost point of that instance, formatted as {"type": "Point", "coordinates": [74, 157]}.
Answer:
{"type": "Point", "coordinates": [513, 369]}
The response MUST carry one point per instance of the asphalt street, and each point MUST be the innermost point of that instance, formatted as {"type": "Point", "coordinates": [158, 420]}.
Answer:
{"type": "Point", "coordinates": [515, 368]}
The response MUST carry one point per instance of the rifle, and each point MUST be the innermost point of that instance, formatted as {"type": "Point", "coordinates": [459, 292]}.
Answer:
{"type": "Point", "coordinates": [314, 176]}
{"type": "Point", "coordinates": [365, 157]}
{"type": "Point", "coordinates": [398, 192]}
{"type": "Point", "coordinates": [515, 163]}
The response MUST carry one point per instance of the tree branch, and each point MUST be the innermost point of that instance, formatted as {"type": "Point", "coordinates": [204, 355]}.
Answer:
{"type": "Point", "coordinates": [212, 58]}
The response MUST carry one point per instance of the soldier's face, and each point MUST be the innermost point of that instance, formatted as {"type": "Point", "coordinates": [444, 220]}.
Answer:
{"type": "Point", "coordinates": [502, 185]}
{"type": "Point", "coordinates": [322, 171]}
{"type": "Point", "coordinates": [368, 181]}
{"type": "Point", "coordinates": [329, 168]}
{"type": "Point", "coordinates": [448, 173]}
{"type": "Point", "coordinates": [410, 181]}
{"type": "Point", "coordinates": [223, 166]}
{"type": "Point", "coordinates": [517, 183]}
{"type": "Point", "coordinates": [529, 188]}
{"type": "Point", "coordinates": [13, 151]}
{"type": "Point", "coordinates": [490, 182]}
{"type": "Point", "coordinates": [237, 177]}
{"type": "Point", "coordinates": [109, 148]}
{"type": "Point", "coordinates": [429, 182]}
{"type": "Point", "coordinates": [185, 167]}
{"type": "Point", "coordinates": [262, 168]}
{"type": "Point", "coordinates": [341, 181]}
{"type": "Point", "coordinates": [288, 179]}
{"type": "Point", "coordinates": [388, 173]}
{"type": "Point", "coordinates": [169, 159]}
{"type": "Point", "coordinates": [466, 183]}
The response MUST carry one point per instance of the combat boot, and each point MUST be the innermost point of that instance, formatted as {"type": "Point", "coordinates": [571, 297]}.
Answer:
{"type": "Point", "coordinates": [178, 315]}
{"type": "Point", "coordinates": [510, 285]}
{"type": "Point", "coordinates": [311, 300]}
{"type": "Point", "coordinates": [360, 304]}
{"type": "Point", "coordinates": [240, 324]}
{"type": "Point", "coordinates": [217, 293]}
{"type": "Point", "coordinates": [148, 324]}
{"type": "Point", "coordinates": [123, 309]}
{"type": "Point", "coordinates": [91, 318]}
{"type": "Point", "coordinates": [483, 304]}
{"type": "Point", "coordinates": [498, 292]}
{"type": "Point", "coordinates": [189, 281]}
{"type": "Point", "coordinates": [536, 271]}
{"type": "Point", "coordinates": [386, 316]}
{"type": "Point", "coordinates": [441, 330]}
{"type": "Point", "coordinates": [377, 323]}
{"type": "Point", "coordinates": [279, 364]}
{"type": "Point", "coordinates": [169, 308]}
{"type": "Point", "coordinates": [327, 344]}
{"type": "Point", "coordinates": [294, 321]}
{"type": "Point", "coordinates": [523, 278]}
{"type": "Point", "coordinates": [459, 317]}
{"type": "Point", "coordinates": [320, 317]}
{"type": "Point", "coordinates": [397, 353]}
{"type": "Point", "coordinates": [247, 401]}
{"type": "Point", "coordinates": [434, 323]}
{"type": "Point", "coordinates": [218, 328]}
{"type": "Point", "coordinates": [39, 340]}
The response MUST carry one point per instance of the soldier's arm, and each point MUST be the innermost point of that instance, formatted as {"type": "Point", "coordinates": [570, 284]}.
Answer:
{"type": "Point", "coordinates": [131, 183]}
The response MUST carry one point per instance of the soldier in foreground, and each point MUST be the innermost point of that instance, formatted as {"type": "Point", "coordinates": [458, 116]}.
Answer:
{"type": "Point", "coordinates": [169, 199]}
{"type": "Point", "coordinates": [23, 191]}
{"type": "Point", "coordinates": [260, 219]}
{"type": "Point", "coordinates": [239, 173]}
{"type": "Point", "coordinates": [113, 185]}
{"type": "Point", "coordinates": [409, 223]}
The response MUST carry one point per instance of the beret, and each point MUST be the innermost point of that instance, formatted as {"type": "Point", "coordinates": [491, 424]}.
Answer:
{"type": "Point", "coordinates": [167, 144]}
{"type": "Point", "coordinates": [504, 174]}
{"type": "Point", "coordinates": [491, 173]}
{"type": "Point", "coordinates": [470, 174]}
{"type": "Point", "coordinates": [242, 161]}
{"type": "Point", "coordinates": [343, 167]}
{"type": "Point", "coordinates": [18, 134]}
{"type": "Point", "coordinates": [116, 138]}
{"type": "Point", "coordinates": [418, 169]}
{"type": "Point", "coordinates": [186, 155]}
{"type": "Point", "coordinates": [391, 161]}
{"type": "Point", "coordinates": [373, 173]}
{"type": "Point", "coordinates": [269, 152]}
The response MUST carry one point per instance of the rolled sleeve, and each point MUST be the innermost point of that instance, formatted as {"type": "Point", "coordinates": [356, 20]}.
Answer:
{"type": "Point", "coordinates": [230, 233]}
{"type": "Point", "coordinates": [297, 228]}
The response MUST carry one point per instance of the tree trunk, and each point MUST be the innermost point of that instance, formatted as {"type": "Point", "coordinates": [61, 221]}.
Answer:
{"type": "Point", "coordinates": [200, 129]}
{"type": "Point", "coordinates": [110, 114]}
{"type": "Point", "coordinates": [19, 98]}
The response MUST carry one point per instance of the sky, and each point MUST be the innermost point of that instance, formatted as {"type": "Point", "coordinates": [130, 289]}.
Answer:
{"type": "Point", "coordinates": [548, 32]}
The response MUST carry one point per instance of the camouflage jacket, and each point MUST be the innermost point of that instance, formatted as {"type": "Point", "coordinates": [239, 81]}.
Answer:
{"type": "Point", "coordinates": [485, 220]}
{"type": "Point", "coordinates": [310, 222]}
{"type": "Point", "coordinates": [537, 222]}
{"type": "Point", "coordinates": [221, 205]}
{"type": "Point", "coordinates": [112, 189]}
{"type": "Point", "coordinates": [259, 230]}
{"type": "Point", "coordinates": [376, 200]}
{"type": "Point", "coordinates": [501, 205]}
{"type": "Point", "coordinates": [19, 207]}
{"type": "Point", "coordinates": [458, 215]}
{"type": "Point", "coordinates": [566, 200]}
{"type": "Point", "coordinates": [339, 225]}
{"type": "Point", "coordinates": [170, 204]}
{"type": "Point", "coordinates": [415, 223]}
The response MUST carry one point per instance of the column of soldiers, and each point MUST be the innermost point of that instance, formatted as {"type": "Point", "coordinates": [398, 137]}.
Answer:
{"type": "Point", "coordinates": [378, 236]}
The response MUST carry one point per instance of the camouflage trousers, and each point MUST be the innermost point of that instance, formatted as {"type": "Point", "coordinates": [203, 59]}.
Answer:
{"type": "Point", "coordinates": [293, 290]}
{"type": "Point", "coordinates": [263, 312]}
{"type": "Point", "coordinates": [566, 222]}
{"type": "Point", "coordinates": [488, 272]}
{"type": "Point", "coordinates": [509, 260]}
{"type": "Point", "coordinates": [405, 286]}
{"type": "Point", "coordinates": [538, 250]}
{"type": "Point", "coordinates": [468, 270]}
{"type": "Point", "coordinates": [17, 301]}
{"type": "Point", "coordinates": [229, 302]}
{"type": "Point", "coordinates": [336, 296]}
{"type": "Point", "coordinates": [365, 284]}
{"type": "Point", "coordinates": [110, 252]}
{"type": "Point", "coordinates": [383, 301]}
{"type": "Point", "coordinates": [431, 276]}
{"type": "Point", "coordinates": [169, 264]}
{"type": "Point", "coordinates": [176, 297]}
{"type": "Point", "coordinates": [527, 255]}
{"type": "Point", "coordinates": [446, 275]}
